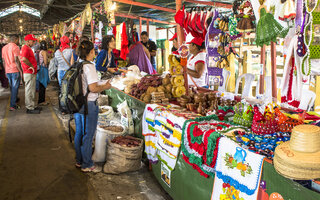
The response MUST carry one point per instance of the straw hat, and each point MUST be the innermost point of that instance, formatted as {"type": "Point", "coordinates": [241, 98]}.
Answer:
{"type": "Point", "coordinates": [299, 158]}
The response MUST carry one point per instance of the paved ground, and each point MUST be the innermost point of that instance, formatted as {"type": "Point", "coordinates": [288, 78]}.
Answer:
{"type": "Point", "coordinates": [37, 162]}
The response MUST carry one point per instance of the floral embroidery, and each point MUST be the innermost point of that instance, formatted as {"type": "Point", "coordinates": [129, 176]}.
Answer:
{"type": "Point", "coordinates": [230, 193]}
{"type": "Point", "coordinates": [232, 163]}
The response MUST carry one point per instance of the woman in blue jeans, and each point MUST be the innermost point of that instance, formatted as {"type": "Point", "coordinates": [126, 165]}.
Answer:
{"type": "Point", "coordinates": [83, 138]}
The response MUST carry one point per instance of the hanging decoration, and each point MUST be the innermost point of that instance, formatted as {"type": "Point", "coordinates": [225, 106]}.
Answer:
{"type": "Point", "coordinates": [268, 29]}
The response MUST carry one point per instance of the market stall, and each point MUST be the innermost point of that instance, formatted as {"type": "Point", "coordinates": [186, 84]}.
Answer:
{"type": "Point", "coordinates": [203, 138]}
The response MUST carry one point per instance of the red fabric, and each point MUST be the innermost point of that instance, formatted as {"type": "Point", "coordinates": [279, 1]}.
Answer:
{"type": "Point", "coordinates": [197, 40]}
{"type": "Point", "coordinates": [30, 37]}
{"type": "Point", "coordinates": [114, 31]}
{"type": "Point", "coordinates": [194, 166]}
{"type": "Point", "coordinates": [65, 41]}
{"type": "Point", "coordinates": [179, 17]}
{"type": "Point", "coordinates": [27, 52]}
{"type": "Point", "coordinates": [124, 43]}
{"type": "Point", "coordinates": [175, 36]}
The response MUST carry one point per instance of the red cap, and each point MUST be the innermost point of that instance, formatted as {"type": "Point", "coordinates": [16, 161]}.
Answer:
{"type": "Point", "coordinates": [174, 37]}
{"type": "Point", "coordinates": [198, 41]}
{"type": "Point", "coordinates": [30, 37]}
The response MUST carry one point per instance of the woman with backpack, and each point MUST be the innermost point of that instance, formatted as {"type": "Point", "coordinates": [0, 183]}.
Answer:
{"type": "Point", "coordinates": [63, 57]}
{"type": "Point", "coordinates": [90, 82]}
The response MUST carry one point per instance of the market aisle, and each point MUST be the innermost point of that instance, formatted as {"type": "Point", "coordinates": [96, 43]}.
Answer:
{"type": "Point", "coordinates": [37, 161]}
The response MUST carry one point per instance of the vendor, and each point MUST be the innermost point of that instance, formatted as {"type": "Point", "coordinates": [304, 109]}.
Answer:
{"type": "Point", "coordinates": [196, 67]}
{"type": "Point", "coordinates": [151, 46]}
{"type": "Point", "coordinates": [105, 59]}
{"type": "Point", "coordinates": [140, 56]}
{"type": "Point", "coordinates": [175, 47]}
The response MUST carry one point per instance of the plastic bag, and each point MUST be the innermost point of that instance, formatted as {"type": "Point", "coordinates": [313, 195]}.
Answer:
{"type": "Point", "coordinates": [126, 116]}
{"type": "Point", "coordinates": [102, 137]}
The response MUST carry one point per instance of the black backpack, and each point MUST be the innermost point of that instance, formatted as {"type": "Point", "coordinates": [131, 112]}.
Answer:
{"type": "Point", "coordinates": [71, 97]}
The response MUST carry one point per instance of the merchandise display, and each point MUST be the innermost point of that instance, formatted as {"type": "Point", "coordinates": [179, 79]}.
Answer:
{"type": "Point", "coordinates": [232, 146]}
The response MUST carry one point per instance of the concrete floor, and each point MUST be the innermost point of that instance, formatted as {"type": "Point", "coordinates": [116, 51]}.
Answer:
{"type": "Point", "coordinates": [37, 162]}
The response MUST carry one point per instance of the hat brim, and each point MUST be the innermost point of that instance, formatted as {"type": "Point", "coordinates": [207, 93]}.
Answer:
{"type": "Point", "coordinates": [296, 165]}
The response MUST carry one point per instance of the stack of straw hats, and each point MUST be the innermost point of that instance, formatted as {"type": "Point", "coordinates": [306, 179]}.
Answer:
{"type": "Point", "coordinates": [299, 158]}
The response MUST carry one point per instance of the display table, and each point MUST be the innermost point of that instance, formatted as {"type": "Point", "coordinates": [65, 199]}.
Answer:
{"type": "Point", "coordinates": [187, 183]}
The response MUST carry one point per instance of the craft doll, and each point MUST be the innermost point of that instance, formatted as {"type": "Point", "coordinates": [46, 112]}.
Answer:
{"type": "Point", "coordinates": [268, 29]}
{"type": "Point", "coordinates": [288, 10]}
{"type": "Point", "coordinates": [245, 24]}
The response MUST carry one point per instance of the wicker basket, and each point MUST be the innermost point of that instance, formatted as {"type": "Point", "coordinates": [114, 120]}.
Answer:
{"type": "Point", "coordinates": [265, 127]}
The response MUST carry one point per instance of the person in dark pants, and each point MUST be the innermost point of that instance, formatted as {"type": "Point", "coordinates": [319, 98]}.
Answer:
{"type": "Point", "coordinates": [151, 46]}
{"type": "Point", "coordinates": [3, 79]}
{"type": "Point", "coordinates": [12, 66]}
{"type": "Point", "coordinates": [43, 73]}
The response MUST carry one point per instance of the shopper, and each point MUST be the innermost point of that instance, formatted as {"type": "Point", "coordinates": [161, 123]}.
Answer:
{"type": "Point", "coordinates": [105, 59]}
{"type": "Point", "coordinates": [83, 138]}
{"type": "Point", "coordinates": [74, 51]}
{"type": "Point", "coordinates": [140, 56]}
{"type": "Point", "coordinates": [43, 73]}
{"type": "Point", "coordinates": [64, 57]}
{"type": "Point", "coordinates": [196, 68]}
{"type": "Point", "coordinates": [29, 66]}
{"type": "Point", "coordinates": [151, 46]}
{"type": "Point", "coordinates": [3, 78]}
{"type": "Point", "coordinates": [12, 66]}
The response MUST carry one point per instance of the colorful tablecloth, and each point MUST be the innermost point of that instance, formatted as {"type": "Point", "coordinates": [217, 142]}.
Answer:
{"type": "Point", "coordinates": [162, 129]}
{"type": "Point", "coordinates": [238, 172]}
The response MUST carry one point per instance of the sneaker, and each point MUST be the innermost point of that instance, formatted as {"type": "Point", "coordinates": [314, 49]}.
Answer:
{"type": "Point", "coordinates": [33, 111]}
{"type": "Point", "coordinates": [94, 169]}
{"type": "Point", "coordinates": [14, 108]}
{"type": "Point", "coordinates": [77, 165]}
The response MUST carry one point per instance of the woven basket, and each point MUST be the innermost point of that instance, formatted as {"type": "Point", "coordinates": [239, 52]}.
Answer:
{"type": "Point", "coordinates": [288, 125]}
{"type": "Point", "coordinates": [265, 127]}
{"type": "Point", "coordinates": [296, 165]}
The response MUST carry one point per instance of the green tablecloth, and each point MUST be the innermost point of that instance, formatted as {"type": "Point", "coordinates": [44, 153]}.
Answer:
{"type": "Point", "coordinates": [188, 184]}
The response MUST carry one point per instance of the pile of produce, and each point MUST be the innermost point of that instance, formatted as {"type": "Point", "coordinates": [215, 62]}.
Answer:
{"type": "Point", "coordinates": [127, 141]}
{"type": "Point", "coordinates": [204, 103]}
{"type": "Point", "coordinates": [149, 85]}
{"type": "Point", "coordinates": [112, 128]}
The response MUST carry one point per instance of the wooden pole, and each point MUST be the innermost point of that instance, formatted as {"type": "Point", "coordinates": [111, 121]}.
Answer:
{"type": "Point", "coordinates": [274, 70]}
{"type": "Point", "coordinates": [148, 26]}
{"type": "Point", "coordinates": [140, 26]}
{"type": "Point", "coordinates": [180, 31]}
{"type": "Point", "coordinates": [181, 39]}
{"type": "Point", "coordinates": [263, 62]}
{"type": "Point", "coordinates": [92, 35]}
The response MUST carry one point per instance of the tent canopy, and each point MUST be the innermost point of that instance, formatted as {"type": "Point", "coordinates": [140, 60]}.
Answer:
{"type": "Point", "coordinates": [53, 11]}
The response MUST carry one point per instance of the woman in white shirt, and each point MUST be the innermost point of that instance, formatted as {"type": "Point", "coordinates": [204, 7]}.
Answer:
{"type": "Point", "coordinates": [196, 67]}
{"type": "Point", "coordinates": [90, 82]}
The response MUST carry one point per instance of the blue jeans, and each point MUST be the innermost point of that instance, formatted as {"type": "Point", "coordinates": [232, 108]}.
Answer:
{"type": "Point", "coordinates": [83, 141]}
{"type": "Point", "coordinates": [61, 74]}
{"type": "Point", "coordinates": [14, 82]}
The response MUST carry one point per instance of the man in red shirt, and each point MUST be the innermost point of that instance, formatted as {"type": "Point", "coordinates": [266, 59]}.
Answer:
{"type": "Point", "coordinates": [29, 66]}
{"type": "Point", "coordinates": [11, 63]}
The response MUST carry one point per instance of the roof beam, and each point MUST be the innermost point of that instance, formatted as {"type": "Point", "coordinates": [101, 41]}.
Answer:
{"type": "Point", "coordinates": [143, 18]}
{"type": "Point", "coordinates": [210, 3]}
{"type": "Point", "coordinates": [45, 8]}
{"type": "Point", "coordinates": [145, 5]}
